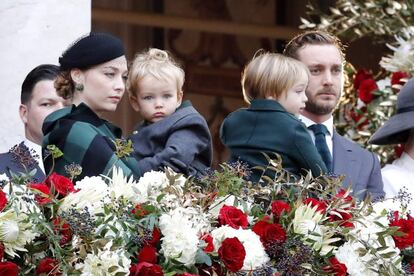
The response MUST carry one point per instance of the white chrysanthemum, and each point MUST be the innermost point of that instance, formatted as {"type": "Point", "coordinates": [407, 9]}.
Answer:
{"type": "Point", "coordinates": [150, 185]}
{"type": "Point", "coordinates": [348, 255]}
{"type": "Point", "coordinates": [307, 223]}
{"type": "Point", "coordinates": [93, 191]}
{"type": "Point", "coordinates": [119, 186]}
{"type": "Point", "coordinates": [180, 241]}
{"type": "Point", "coordinates": [196, 219]}
{"type": "Point", "coordinates": [255, 253]}
{"type": "Point", "coordinates": [15, 232]}
{"type": "Point", "coordinates": [106, 262]}
{"type": "Point", "coordinates": [3, 177]}
{"type": "Point", "coordinates": [153, 183]}
{"type": "Point", "coordinates": [403, 57]}
{"type": "Point", "coordinates": [367, 232]}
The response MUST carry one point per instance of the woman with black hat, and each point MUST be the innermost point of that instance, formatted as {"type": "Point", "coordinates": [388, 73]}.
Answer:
{"type": "Point", "coordinates": [399, 129]}
{"type": "Point", "coordinates": [94, 70]}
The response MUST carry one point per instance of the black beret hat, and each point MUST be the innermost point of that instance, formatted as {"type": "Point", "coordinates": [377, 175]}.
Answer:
{"type": "Point", "coordinates": [90, 50]}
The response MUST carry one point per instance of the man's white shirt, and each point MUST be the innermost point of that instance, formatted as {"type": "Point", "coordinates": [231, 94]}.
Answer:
{"type": "Point", "coordinates": [329, 125]}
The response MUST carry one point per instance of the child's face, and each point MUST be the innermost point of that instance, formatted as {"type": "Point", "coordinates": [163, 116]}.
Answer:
{"type": "Point", "coordinates": [156, 99]}
{"type": "Point", "coordinates": [294, 99]}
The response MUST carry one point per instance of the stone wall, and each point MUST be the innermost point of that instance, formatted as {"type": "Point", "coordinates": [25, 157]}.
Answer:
{"type": "Point", "coordinates": [32, 32]}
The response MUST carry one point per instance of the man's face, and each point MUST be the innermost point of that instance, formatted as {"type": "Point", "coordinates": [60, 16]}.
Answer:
{"type": "Point", "coordinates": [43, 102]}
{"type": "Point", "coordinates": [326, 77]}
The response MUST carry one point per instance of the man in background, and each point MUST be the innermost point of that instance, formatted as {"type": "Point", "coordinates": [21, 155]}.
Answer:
{"type": "Point", "coordinates": [38, 99]}
{"type": "Point", "coordinates": [323, 54]}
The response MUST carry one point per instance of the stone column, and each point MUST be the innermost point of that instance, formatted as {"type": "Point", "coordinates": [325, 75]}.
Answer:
{"type": "Point", "coordinates": [32, 32]}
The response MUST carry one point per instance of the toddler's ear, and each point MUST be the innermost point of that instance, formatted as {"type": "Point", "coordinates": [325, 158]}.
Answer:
{"type": "Point", "coordinates": [134, 102]}
{"type": "Point", "coordinates": [179, 98]}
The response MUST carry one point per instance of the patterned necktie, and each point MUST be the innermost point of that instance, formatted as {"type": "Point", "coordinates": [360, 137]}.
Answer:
{"type": "Point", "coordinates": [320, 131]}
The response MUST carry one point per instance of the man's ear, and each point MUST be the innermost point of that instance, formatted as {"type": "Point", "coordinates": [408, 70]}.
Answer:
{"type": "Point", "coordinates": [23, 110]}
{"type": "Point", "coordinates": [134, 102]}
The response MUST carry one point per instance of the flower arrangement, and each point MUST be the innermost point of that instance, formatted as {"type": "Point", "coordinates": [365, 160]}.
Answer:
{"type": "Point", "coordinates": [369, 98]}
{"type": "Point", "coordinates": [352, 19]}
{"type": "Point", "coordinates": [221, 224]}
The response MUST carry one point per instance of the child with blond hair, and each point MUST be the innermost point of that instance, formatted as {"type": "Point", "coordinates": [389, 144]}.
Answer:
{"type": "Point", "coordinates": [173, 134]}
{"type": "Point", "coordinates": [274, 86]}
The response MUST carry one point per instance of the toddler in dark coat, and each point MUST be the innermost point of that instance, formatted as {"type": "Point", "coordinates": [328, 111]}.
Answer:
{"type": "Point", "coordinates": [274, 86]}
{"type": "Point", "coordinates": [173, 134]}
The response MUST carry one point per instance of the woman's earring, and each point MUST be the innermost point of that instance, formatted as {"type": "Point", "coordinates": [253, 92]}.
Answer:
{"type": "Point", "coordinates": [79, 87]}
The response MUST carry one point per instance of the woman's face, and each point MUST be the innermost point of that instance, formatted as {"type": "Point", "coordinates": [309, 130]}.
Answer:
{"type": "Point", "coordinates": [103, 85]}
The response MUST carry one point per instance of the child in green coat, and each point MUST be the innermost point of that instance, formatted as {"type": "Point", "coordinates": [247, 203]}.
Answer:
{"type": "Point", "coordinates": [274, 86]}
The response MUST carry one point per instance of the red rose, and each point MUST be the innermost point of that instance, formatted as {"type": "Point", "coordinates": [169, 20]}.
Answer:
{"type": "Point", "coordinates": [397, 77]}
{"type": "Point", "coordinates": [232, 253]}
{"type": "Point", "coordinates": [406, 226]}
{"type": "Point", "coordinates": [48, 266]}
{"type": "Point", "coordinates": [341, 195]}
{"type": "Point", "coordinates": [365, 90]}
{"type": "Point", "coordinates": [278, 208]}
{"type": "Point", "coordinates": [209, 241]}
{"type": "Point", "coordinates": [145, 269]}
{"type": "Point", "coordinates": [133, 270]}
{"type": "Point", "coordinates": [399, 149]}
{"type": "Point", "coordinates": [358, 115]}
{"type": "Point", "coordinates": [269, 233]}
{"type": "Point", "coordinates": [42, 195]}
{"type": "Point", "coordinates": [321, 206]}
{"type": "Point", "coordinates": [232, 216]}
{"type": "Point", "coordinates": [335, 267]}
{"type": "Point", "coordinates": [412, 266]}
{"type": "Point", "coordinates": [156, 236]}
{"type": "Point", "coordinates": [360, 76]}
{"type": "Point", "coordinates": [63, 229]}
{"type": "Point", "coordinates": [153, 270]}
{"type": "Point", "coordinates": [61, 184]}
{"type": "Point", "coordinates": [1, 251]}
{"type": "Point", "coordinates": [148, 254]}
{"type": "Point", "coordinates": [3, 200]}
{"type": "Point", "coordinates": [336, 215]}
{"type": "Point", "coordinates": [9, 269]}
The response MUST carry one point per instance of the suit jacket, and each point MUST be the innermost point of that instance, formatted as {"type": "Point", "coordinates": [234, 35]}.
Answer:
{"type": "Point", "coordinates": [181, 141]}
{"type": "Point", "coordinates": [85, 140]}
{"type": "Point", "coordinates": [267, 127]}
{"type": "Point", "coordinates": [361, 168]}
{"type": "Point", "coordinates": [20, 161]}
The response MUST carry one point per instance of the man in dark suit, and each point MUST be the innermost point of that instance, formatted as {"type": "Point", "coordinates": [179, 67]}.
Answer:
{"type": "Point", "coordinates": [38, 99]}
{"type": "Point", "coordinates": [323, 54]}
